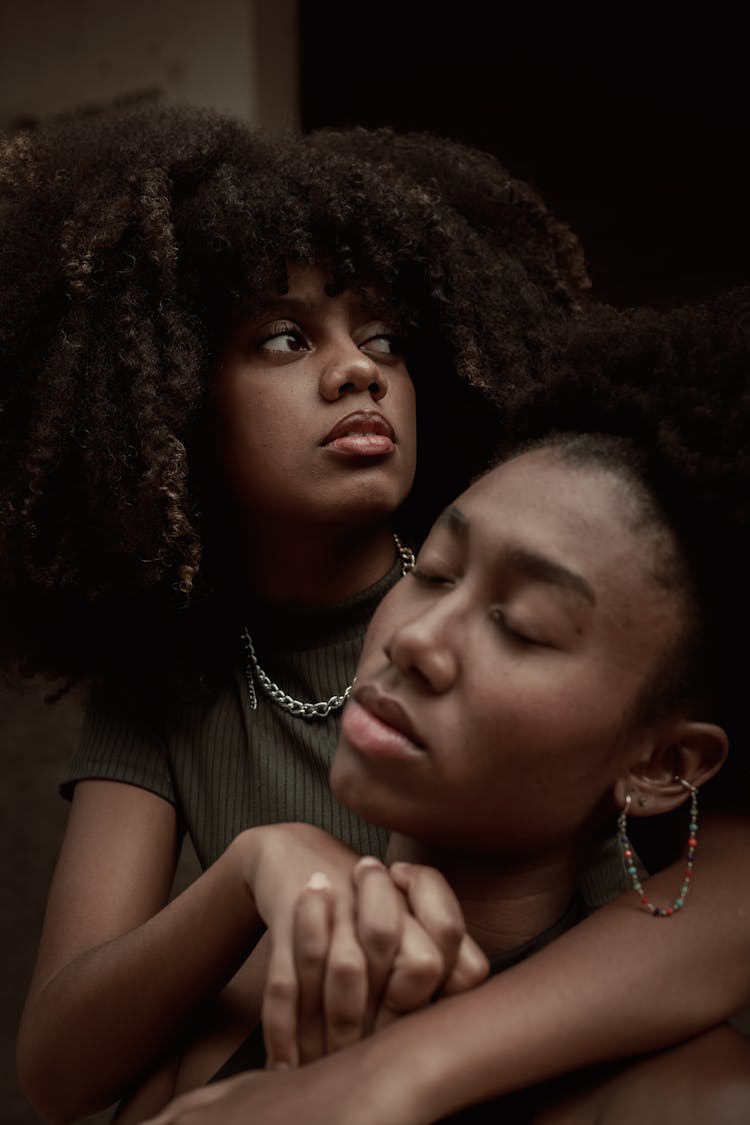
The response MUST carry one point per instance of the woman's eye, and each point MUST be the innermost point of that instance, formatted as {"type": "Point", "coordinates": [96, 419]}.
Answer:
{"type": "Point", "coordinates": [518, 635]}
{"type": "Point", "coordinates": [283, 338]}
{"type": "Point", "coordinates": [431, 578]}
{"type": "Point", "coordinates": [382, 344]}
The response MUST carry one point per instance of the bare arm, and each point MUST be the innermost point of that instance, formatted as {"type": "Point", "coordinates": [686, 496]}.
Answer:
{"type": "Point", "coordinates": [619, 983]}
{"type": "Point", "coordinates": [118, 970]}
{"type": "Point", "coordinates": [120, 973]}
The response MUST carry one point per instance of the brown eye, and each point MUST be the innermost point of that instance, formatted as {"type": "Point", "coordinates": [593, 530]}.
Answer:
{"type": "Point", "coordinates": [283, 338]}
{"type": "Point", "coordinates": [378, 339]}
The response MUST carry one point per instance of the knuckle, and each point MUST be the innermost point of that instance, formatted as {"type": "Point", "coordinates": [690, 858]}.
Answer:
{"type": "Point", "coordinates": [347, 970]}
{"type": "Point", "coordinates": [448, 933]}
{"type": "Point", "coordinates": [379, 936]}
{"type": "Point", "coordinates": [423, 968]}
{"type": "Point", "coordinates": [310, 957]}
{"type": "Point", "coordinates": [281, 990]}
{"type": "Point", "coordinates": [426, 960]}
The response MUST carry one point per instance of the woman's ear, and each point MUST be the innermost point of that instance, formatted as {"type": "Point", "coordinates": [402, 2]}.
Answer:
{"type": "Point", "coordinates": [687, 749]}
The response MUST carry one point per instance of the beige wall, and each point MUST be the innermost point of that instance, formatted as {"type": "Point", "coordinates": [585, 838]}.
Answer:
{"type": "Point", "coordinates": [237, 56]}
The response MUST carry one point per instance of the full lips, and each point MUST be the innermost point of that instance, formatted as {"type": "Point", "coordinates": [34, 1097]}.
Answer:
{"type": "Point", "coordinates": [372, 737]}
{"type": "Point", "coordinates": [364, 433]}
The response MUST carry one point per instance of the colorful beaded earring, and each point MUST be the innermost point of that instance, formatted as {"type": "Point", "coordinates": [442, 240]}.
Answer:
{"type": "Point", "coordinates": [628, 856]}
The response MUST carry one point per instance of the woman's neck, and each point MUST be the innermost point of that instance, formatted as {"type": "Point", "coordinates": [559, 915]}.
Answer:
{"type": "Point", "coordinates": [316, 566]}
{"type": "Point", "coordinates": [505, 905]}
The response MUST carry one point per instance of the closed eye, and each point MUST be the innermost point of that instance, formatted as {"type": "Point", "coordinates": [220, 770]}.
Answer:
{"type": "Point", "coordinates": [519, 636]}
{"type": "Point", "coordinates": [431, 578]}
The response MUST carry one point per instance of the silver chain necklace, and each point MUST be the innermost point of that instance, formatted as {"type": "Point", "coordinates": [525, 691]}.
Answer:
{"type": "Point", "coordinates": [254, 672]}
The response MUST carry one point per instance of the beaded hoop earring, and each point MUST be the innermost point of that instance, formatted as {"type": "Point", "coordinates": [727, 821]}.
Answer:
{"type": "Point", "coordinates": [628, 856]}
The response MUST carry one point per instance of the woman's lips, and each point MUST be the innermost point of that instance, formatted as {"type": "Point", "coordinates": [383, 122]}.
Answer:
{"type": "Point", "coordinates": [378, 727]}
{"type": "Point", "coordinates": [363, 433]}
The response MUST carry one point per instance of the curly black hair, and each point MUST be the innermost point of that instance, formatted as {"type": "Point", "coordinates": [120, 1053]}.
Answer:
{"type": "Point", "coordinates": [664, 398]}
{"type": "Point", "coordinates": [129, 240]}
{"type": "Point", "coordinates": [508, 213]}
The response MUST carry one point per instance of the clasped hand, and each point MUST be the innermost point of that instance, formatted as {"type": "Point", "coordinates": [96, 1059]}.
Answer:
{"type": "Point", "coordinates": [358, 946]}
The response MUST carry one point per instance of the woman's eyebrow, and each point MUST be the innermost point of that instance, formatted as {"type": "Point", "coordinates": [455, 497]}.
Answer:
{"type": "Point", "coordinates": [530, 563]}
{"type": "Point", "coordinates": [552, 573]}
{"type": "Point", "coordinates": [455, 521]}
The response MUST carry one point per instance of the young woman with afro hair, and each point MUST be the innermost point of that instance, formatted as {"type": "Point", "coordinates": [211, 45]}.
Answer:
{"type": "Point", "coordinates": [233, 366]}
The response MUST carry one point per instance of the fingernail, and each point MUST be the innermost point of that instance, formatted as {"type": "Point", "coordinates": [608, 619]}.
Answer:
{"type": "Point", "coordinates": [281, 1066]}
{"type": "Point", "coordinates": [318, 881]}
{"type": "Point", "coordinates": [368, 861]}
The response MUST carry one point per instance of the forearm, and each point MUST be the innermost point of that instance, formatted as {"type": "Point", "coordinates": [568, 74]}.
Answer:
{"type": "Point", "coordinates": [621, 982]}
{"type": "Point", "coordinates": [102, 1020]}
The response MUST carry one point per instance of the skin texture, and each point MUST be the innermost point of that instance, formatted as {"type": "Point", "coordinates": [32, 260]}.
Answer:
{"type": "Point", "coordinates": [516, 649]}
{"type": "Point", "coordinates": [705, 1079]}
{"type": "Point", "coordinates": [290, 373]}
{"type": "Point", "coordinates": [290, 367]}
{"type": "Point", "coordinates": [368, 1084]}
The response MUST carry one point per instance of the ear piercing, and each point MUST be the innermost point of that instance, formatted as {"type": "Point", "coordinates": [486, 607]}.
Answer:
{"type": "Point", "coordinates": [628, 854]}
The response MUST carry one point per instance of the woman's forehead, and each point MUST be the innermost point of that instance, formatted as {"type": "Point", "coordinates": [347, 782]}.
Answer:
{"type": "Point", "coordinates": [308, 287]}
{"type": "Point", "coordinates": [540, 495]}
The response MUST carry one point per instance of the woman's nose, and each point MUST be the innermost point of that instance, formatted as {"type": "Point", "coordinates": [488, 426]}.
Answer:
{"type": "Point", "coordinates": [347, 369]}
{"type": "Point", "coordinates": [426, 647]}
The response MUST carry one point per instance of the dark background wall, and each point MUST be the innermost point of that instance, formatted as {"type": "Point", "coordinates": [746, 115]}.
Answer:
{"type": "Point", "coordinates": [632, 125]}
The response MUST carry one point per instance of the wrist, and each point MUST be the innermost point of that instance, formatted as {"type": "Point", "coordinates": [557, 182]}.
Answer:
{"type": "Point", "coordinates": [417, 1065]}
{"type": "Point", "coordinates": [405, 1075]}
{"type": "Point", "coordinates": [242, 858]}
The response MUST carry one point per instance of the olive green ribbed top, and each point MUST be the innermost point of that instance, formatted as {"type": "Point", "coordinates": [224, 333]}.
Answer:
{"type": "Point", "coordinates": [222, 764]}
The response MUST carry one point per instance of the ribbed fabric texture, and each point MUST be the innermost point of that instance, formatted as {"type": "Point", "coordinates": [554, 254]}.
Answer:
{"type": "Point", "coordinates": [227, 767]}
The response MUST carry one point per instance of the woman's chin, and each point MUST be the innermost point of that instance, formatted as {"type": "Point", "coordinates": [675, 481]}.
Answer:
{"type": "Point", "coordinates": [343, 779]}
{"type": "Point", "coordinates": [351, 785]}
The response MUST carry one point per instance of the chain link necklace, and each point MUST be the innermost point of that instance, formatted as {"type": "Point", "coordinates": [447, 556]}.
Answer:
{"type": "Point", "coordinates": [255, 674]}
